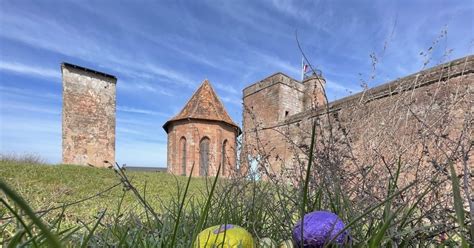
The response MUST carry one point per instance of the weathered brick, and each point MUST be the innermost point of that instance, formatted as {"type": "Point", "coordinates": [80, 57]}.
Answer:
{"type": "Point", "coordinates": [203, 117]}
{"type": "Point", "coordinates": [88, 116]}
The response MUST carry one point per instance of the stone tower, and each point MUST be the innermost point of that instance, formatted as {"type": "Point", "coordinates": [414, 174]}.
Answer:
{"type": "Point", "coordinates": [268, 103]}
{"type": "Point", "coordinates": [202, 134]}
{"type": "Point", "coordinates": [88, 116]}
{"type": "Point", "coordinates": [313, 96]}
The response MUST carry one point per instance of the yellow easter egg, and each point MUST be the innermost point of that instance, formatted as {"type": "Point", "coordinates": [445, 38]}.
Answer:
{"type": "Point", "coordinates": [225, 236]}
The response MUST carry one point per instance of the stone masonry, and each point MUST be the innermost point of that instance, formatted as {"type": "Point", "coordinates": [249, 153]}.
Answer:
{"type": "Point", "coordinates": [277, 125]}
{"type": "Point", "coordinates": [272, 101]}
{"type": "Point", "coordinates": [203, 135]}
{"type": "Point", "coordinates": [88, 116]}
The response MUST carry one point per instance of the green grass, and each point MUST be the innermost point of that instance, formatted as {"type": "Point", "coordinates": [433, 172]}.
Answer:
{"type": "Point", "coordinates": [174, 209]}
{"type": "Point", "coordinates": [47, 186]}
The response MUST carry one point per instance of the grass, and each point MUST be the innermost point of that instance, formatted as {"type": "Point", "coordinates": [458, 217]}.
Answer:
{"type": "Point", "coordinates": [150, 209]}
{"type": "Point", "coordinates": [47, 186]}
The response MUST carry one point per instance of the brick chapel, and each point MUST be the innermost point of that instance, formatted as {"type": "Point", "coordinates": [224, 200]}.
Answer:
{"type": "Point", "coordinates": [203, 135]}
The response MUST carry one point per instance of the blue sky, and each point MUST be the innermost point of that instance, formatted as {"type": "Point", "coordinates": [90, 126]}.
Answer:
{"type": "Point", "coordinates": [160, 52]}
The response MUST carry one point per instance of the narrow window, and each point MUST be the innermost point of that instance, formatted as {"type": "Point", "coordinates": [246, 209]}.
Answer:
{"type": "Point", "coordinates": [204, 156]}
{"type": "Point", "coordinates": [182, 145]}
{"type": "Point", "coordinates": [224, 157]}
{"type": "Point", "coordinates": [286, 113]}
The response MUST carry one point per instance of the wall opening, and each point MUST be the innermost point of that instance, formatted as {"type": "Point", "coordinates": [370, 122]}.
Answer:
{"type": "Point", "coordinates": [204, 156]}
{"type": "Point", "coordinates": [182, 145]}
{"type": "Point", "coordinates": [224, 157]}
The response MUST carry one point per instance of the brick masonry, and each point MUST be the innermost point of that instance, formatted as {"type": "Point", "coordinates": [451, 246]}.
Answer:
{"type": "Point", "coordinates": [202, 118]}
{"type": "Point", "coordinates": [88, 116]}
{"type": "Point", "coordinates": [193, 132]}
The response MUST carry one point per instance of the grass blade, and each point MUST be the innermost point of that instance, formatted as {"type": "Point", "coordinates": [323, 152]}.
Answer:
{"type": "Point", "coordinates": [353, 222]}
{"type": "Point", "coordinates": [205, 211]}
{"type": "Point", "coordinates": [458, 206]}
{"type": "Point", "coordinates": [91, 232]}
{"type": "Point", "coordinates": [175, 231]}
{"type": "Point", "coordinates": [50, 237]}
{"type": "Point", "coordinates": [306, 181]}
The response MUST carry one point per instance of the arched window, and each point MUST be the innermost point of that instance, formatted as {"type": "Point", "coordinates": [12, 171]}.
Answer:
{"type": "Point", "coordinates": [182, 147]}
{"type": "Point", "coordinates": [204, 156]}
{"type": "Point", "coordinates": [224, 157]}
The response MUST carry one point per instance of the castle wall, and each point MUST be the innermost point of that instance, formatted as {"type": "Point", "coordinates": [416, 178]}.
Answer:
{"type": "Point", "coordinates": [379, 124]}
{"type": "Point", "coordinates": [88, 116]}
{"type": "Point", "coordinates": [270, 102]}
{"type": "Point", "coordinates": [194, 131]}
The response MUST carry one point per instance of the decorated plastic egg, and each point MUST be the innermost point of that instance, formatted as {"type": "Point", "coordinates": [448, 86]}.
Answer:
{"type": "Point", "coordinates": [319, 228]}
{"type": "Point", "coordinates": [235, 236]}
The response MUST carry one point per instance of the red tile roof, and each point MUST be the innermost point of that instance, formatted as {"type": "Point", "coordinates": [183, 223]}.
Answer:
{"type": "Point", "coordinates": [204, 104]}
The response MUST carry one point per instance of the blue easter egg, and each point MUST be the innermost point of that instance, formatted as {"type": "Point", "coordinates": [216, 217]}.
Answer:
{"type": "Point", "coordinates": [319, 228]}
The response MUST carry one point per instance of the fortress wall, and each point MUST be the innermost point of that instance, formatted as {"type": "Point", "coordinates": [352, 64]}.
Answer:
{"type": "Point", "coordinates": [268, 102]}
{"type": "Point", "coordinates": [380, 125]}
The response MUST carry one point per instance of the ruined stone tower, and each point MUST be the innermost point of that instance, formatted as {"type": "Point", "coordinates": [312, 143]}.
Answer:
{"type": "Point", "coordinates": [202, 134]}
{"type": "Point", "coordinates": [88, 117]}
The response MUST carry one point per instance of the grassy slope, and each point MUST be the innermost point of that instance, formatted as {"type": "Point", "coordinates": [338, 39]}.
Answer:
{"type": "Point", "coordinates": [46, 186]}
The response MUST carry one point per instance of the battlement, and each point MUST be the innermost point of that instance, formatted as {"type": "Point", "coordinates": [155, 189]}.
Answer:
{"type": "Point", "coordinates": [277, 120]}
{"type": "Point", "coordinates": [277, 78]}
{"type": "Point", "coordinates": [458, 67]}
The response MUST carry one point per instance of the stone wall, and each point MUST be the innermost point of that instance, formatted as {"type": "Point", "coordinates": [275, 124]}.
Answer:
{"type": "Point", "coordinates": [193, 131]}
{"type": "Point", "coordinates": [270, 102]}
{"type": "Point", "coordinates": [398, 120]}
{"type": "Point", "coordinates": [88, 116]}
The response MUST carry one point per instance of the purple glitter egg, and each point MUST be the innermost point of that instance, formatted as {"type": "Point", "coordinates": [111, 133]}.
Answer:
{"type": "Point", "coordinates": [319, 228]}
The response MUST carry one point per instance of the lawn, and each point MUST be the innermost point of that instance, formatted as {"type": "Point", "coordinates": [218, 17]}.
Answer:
{"type": "Point", "coordinates": [48, 186]}
{"type": "Point", "coordinates": [161, 213]}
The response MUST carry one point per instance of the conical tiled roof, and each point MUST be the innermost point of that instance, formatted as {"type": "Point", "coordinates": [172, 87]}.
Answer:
{"type": "Point", "coordinates": [204, 105]}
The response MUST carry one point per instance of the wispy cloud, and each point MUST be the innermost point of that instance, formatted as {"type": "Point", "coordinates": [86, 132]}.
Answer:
{"type": "Point", "coordinates": [22, 125]}
{"type": "Point", "coordinates": [30, 70]}
{"type": "Point", "coordinates": [232, 100]}
{"type": "Point", "coordinates": [140, 111]}
{"type": "Point", "coordinates": [170, 74]}
{"type": "Point", "coordinates": [51, 35]}
{"type": "Point", "coordinates": [226, 88]}
{"type": "Point", "coordinates": [294, 9]}
{"type": "Point", "coordinates": [276, 62]}
{"type": "Point", "coordinates": [337, 87]}
{"type": "Point", "coordinates": [29, 107]}
{"type": "Point", "coordinates": [16, 92]}
{"type": "Point", "coordinates": [134, 86]}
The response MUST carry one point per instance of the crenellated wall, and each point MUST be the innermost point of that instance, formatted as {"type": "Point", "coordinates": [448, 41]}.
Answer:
{"type": "Point", "coordinates": [388, 116]}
